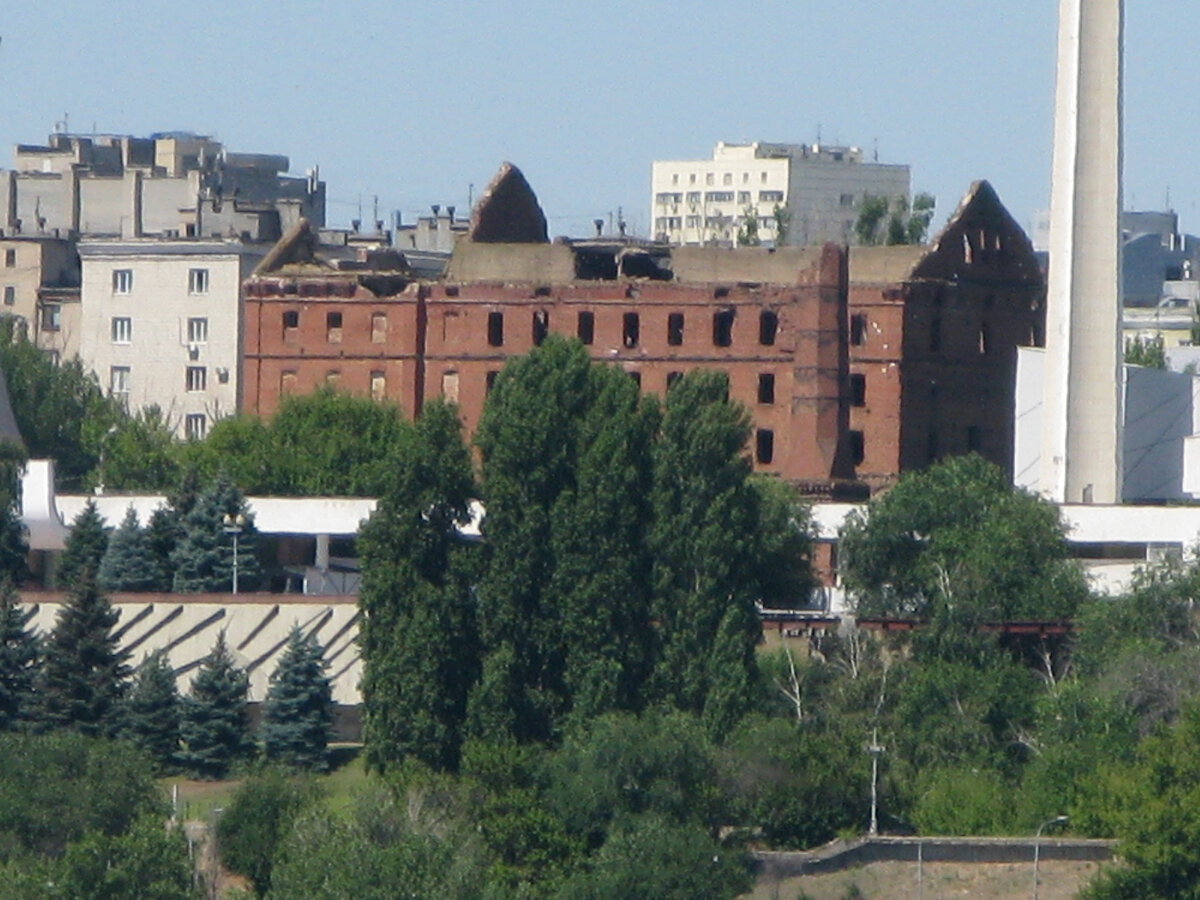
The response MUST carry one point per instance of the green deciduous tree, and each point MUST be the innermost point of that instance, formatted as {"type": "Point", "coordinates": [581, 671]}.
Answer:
{"type": "Point", "coordinates": [138, 453]}
{"type": "Point", "coordinates": [85, 546]}
{"type": "Point", "coordinates": [20, 656]}
{"type": "Point", "coordinates": [419, 633]}
{"type": "Point", "coordinates": [705, 542]}
{"type": "Point", "coordinates": [297, 713]}
{"type": "Point", "coordinates": [129, 562]}
{"type": "Point", "coordinates": [944, 541]}
{"type": "Point", "coordinates": [84, 676]}
{"type": "Point", "coordinates": [147, 862]}
{"type": "Point", "coordinates": [203, 556]}
{"type": "Point", "coordinates": [215, 727]}
{"type": "Point", "coordinates": [257, 820]}
{"type": "Point", "coordinates": [152, 711]}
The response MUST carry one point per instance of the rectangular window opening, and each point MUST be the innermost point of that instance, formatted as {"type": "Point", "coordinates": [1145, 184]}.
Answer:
{"type": "Point", "coordinates": [378, 386]}
{"type": "Point", "coordinates": [629, 329]}
{"type": "Point", "coordinates": [858, 389]}
{"type": "Point", "coordinates": [766, 387]}
{"type": "Point", "coordinates": [10, 259]}
{"type": "Point", "coordinates": [122, 281]}
{"type": "Point", "coordinates": [858, 330]}
{"type": "Point", "coordinates": [541, 326]}
{"type": "Point", "coordinates": [333, 327]}
{"type": "Point", "coordinates": [768, 327]}
{"type": "Point", "coordinates": [857, 448]}
{"type": "Point", "coordinates": [764, 446]}
{"type": "Point", "coordinates": [122, 329]}
{"type": "Point", "coordinates": [10, 295]}
{"type": "Point", "coordinates": [675, 329]}
{"type": "Point", "coordinates": [379, 328]}
{"type": "Point", "coordinates": [723, 328]}
{"type": "Point", "coordinates": [195, 426]}
{"type": "Point", "coordinates": [196, 379]}
{"type": "Point", "coordinates": [673, 378]}
{"type": "Point", "coordinates": [495, 329]}
{"type": "Point", "coordinates": [197, 281]}
{"type": "Point", "coordinates": [51, 317]}
{"type": "Point", "coordinates": [585, 327]}
{"type": "Point", "coordinates": [197, 330]}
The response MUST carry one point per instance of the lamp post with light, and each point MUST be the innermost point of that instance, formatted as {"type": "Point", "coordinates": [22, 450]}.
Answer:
{"type": "Point", "coordinates": [1037, 846]}
{"type": "Point", "coordinates": [233, 525]}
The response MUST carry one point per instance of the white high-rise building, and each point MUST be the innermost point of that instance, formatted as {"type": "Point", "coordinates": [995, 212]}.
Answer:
{"type": "Point", "coordinates": [814, 191]}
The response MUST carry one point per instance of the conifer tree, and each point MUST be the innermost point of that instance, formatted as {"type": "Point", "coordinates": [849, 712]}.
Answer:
{"type": "Point", "coordinates": [297, 715]}
{"type": "Point", "coordinates": [13, 546]}
{"type": "Point", "coordinates": [152, 711]}
{"type": "Point", "coordinates": [705, 539]}
{"type": "Point", "coordinates": [162, 535]}
{"type": "Point", "coordinates": [419, 633]}
{"type": "Point", "coordinates": [215, 727]}
{"type": "Point", "coordinates": [20, 656]}
{"type": "Point", "coordinates": [203, 558]}
{"type": "Point", "coordinates": [129, 563]}
{"type": "Point", "coordinates": [85, 546]}
{"type": "Point", "coordinates": [83, 676]}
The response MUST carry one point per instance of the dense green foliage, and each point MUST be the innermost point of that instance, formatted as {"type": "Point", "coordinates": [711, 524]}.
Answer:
{"type": "Point", "coordinates": [83, 676]}
{"type": "Point", "coordinates": [215, 727]}
{"type": "Point", "coordinates": [151, 716]}
{"type": "Point", "coordinates": [147, 862]}
{"type": "Point", "coordinates": [20, 656]}
{"type": "Point", "coordinates": [203, 557]}
{"type": "Point", "coordinates": [256, 821]}
{"type": "Point", "coordinates": [13, 546]}
{"type": "Point", "coordinates": [297, 713]}
{"type": "Point", "coordinates": [129, 562]}
{"type": "Point", "coordinates": [86, 544]}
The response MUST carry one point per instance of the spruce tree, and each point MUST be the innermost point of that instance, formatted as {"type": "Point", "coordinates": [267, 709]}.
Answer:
{"type": "Point", "coordinates": [419, 633]}
{"type": "Point", "coordinates": [20, 657]}
{"type": "Point", "coordinates": [13, 546]}
{"type": "Point", "coordinates": [706, 545]}
{"type": "Point", "coordinates": [215, 726]}
{"type": "Point", "coordinates": [297, 714]}
{"type": "Point", "coordinates": [162, 535]}
{"type": "Point", "coordinates": [83, 676]}
{"type": "Point", "coordinates": [129, 563]}
{"type": "Point", "coordinates": [203, 558]}
{"type": "Point", "coordinates": [152, 711]}
{"type": "Point", "coordinates": [85, 546]}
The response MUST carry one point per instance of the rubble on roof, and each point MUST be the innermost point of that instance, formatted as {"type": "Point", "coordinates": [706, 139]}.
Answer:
{"type": "Point", "coordinates": [508, 212]}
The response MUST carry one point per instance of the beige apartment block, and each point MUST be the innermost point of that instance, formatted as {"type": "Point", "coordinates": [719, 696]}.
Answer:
{"type": "Point", "coordinates": [161, 324]}
{"type": "Point", "coordinates": [39, 287]}
{"type": "Point", "coordinates": [813, 189]}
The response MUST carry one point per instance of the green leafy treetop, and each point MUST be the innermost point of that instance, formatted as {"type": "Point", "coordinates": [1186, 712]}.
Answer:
{"type": "Point", "coordinates": [129, 563]}
{"type": "Point", "coordinates": [83, 677]}
{"type": "Point", "coordinates": [958, 540]}
{"type": "Point", "coordinates": [296, 720]}
{"type": "Point", "coordinates": [203, 557]}
{"type": "Point", "coordinates": [20, 656]}
{"type": "Point", "coordinates": [85, 546]}
{"type": "Point", "coordinates": [152, 711]}
{"type": "Point", "coordinates": [215, 728]}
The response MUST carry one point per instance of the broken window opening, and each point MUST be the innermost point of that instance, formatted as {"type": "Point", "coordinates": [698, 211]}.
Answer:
{"type": "Point", "coordinates": [768, 327]}
{"type": "Point", "coordinates": [637, 378]}
{"type": "Point", "coordinates": [333, 327]}
{"type": "Point", "coordinates": [673, 378]}
{"type": "Point", "coordinates": [675, 329]}
{"type": "Point", "coordinates": [764, 446]}
{"type": "Point", "coordinates": [766, 387]}
{"type": "Point", "coordinates": [723, 328]}
{"type": "Point", "coordinates": [541, 326]}
{"type": "Point", "coordinates": [490, 381]}
{"type": "Point", "coordinates": [857, 447]}
{"type": "Point", "coordinates": [858, 330]}
{"type": "Point", "coordinates": [585, 327]}
{"type": "Point", "coordinates": [495, 329]}
{"type": "Point", "coordinates": [858, 389]}
{"type": "Point", "coordinates": [379, 328]}
{"type": "Point", "coordinates": [378, 386]}
{"type": "Point", "coordinates": [630, 326]}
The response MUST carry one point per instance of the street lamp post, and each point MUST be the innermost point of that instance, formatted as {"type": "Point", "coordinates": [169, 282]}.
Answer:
{"type": "Point", "coordinates": [1037, 846]}
{"type": "Point", "coordinates": [233, 525]}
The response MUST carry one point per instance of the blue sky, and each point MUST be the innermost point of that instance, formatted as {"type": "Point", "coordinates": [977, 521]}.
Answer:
{"type": "Point", "coordinates": [414, 101]}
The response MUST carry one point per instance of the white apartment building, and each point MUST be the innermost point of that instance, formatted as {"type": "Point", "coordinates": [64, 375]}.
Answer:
{"type": "Point", "coordinates": [813, 189]}
{"type": "Point", "coordinates": [161, 323]}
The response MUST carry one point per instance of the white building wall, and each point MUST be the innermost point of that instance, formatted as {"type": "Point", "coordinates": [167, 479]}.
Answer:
{"type": "Point", "coordinates": [158, 305]}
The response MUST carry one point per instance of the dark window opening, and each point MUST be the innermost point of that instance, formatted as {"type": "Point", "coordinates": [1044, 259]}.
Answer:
{"type": "Point", "coordinates": [721, 292]}
{"type": "Point", "coordinates": [496, 329]}
{"type": "Point", "coordinates": [291, 321]}
{"type": "Point", "coordinates": [541, 326]}
{"type": "Point", "coordinates": [333, 327]}
{"type": "Point", "coordinates": [675, 329]}
{"type": "Point", "coordinates": [637, 379]}
{"type": "Point", "coordinates": [491, 379]}
{"type": "Point", "coordinates": [935, 334]}
{"type": "Point", "coordinates": [764, 445]}
{"type": "Point", "coordinates": [723, 328]}
{"type": "Point", "coordinates": [766, 388]}
{"type": "Point", "coordinates": [768, 325]}
{"type": "Point", "coordinates": [858, 389]}
{"type": "Point", "coordinates": [629, 329]}
{"type": "Point", "coordinates": [858, 330]}
{"type": "Point", "coordinates": [857, 448]}
{"type": "Point", "coordinates": [672, 378]}
{"type": "Point", "coordinates": [974, 438]}
{"type": "Point", "coordinates": [542, 291]}
{"type": "Point", "coordinates": [585, 327]}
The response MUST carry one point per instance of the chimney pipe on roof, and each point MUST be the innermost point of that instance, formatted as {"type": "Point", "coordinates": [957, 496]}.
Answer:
{"type": "Point", "coordinates": [450, 213]}
{"type": "Point", "coordinates": [599, 223]}
{"type": "Point", "coordinates": [437, 208]}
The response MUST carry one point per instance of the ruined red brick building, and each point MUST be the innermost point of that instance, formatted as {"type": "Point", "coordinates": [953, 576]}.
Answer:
{"type": "Point", "coordinates": [855, 365]}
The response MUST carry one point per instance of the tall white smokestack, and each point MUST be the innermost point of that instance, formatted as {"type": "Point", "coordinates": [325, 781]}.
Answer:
{"type": "Point", "coordinates": [1081, 422]}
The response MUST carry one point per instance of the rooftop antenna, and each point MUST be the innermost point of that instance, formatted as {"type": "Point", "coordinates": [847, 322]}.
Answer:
{"type": "Point", "coordinates": [376, 208]}
{"type": "Point", "coordinates": [360, 206]}
{"type": "Point", "coordinates": [875, 150]}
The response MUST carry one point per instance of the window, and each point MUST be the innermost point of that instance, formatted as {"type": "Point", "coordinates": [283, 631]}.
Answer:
{"type": "Point", "coordinates": [450, 386]}
{"type": "Point", "coordinates": [708, 177]}
{"type": "Point", "coordinates": [764, 446]}
{"type": "Point", "coordinates": [291, 322]}
{"type": "Point", "coordinates": [194, 426]}
{"type": "Point", "coordinates": [858, 330]}
{"type": "Point", "coordinates": [770, 196]}
{"type": "Point", "coordinates": [333, 378]}
{"type": "Point", "coordinates": [675, 178]}
{"type": "Point", "coordinates": [743, 197]}
{"type": "Point", "coordinates": [766, 387]}
{"type": "Point", "coordinates": [585, 327]}
{"type": "Point", "coordinates": [675, 329]}
{"type": "Point", "coordinates": [197, 281]}
{"type": "Point", "coordinates": [637, 378]}
{"type": "Point", "coordinates": [333, 327]}
{"type": "Point", "coordinates": [541, 326]}
{"type": "Point", "coordinates": [378, 386]}
{"type": "Point", "coordinates": [491, 379]}
{"type": "Point", "coordinates": [858, 389]}
{"type": "Point", "coordinates": [379, 328]}
{"type": "Point", "coordinates": [122, 329]}
{"type": "Point", "coordinates": [857, 450]}
{"type": "Point", "coordinates": [768, 326]}
{"type": "Point", "coordinates": [287, 381]}
{"type": "Point", "coordinates": [672, 378]}
{"type": "Point", "coordinates": [118, 381]}
{"type": "Point", "coordinates": [10, 295]}
{"type": "Point", "coordinates": [51, 317]}
{"type": "Point", "coordinates": [629, 329]}
{"type": "Point", "coordinates": [719, 196]}
{"type": "Point", "coordinates": [197, 331]}
{"type": "Point", "coordinates": [846, 200]}
{"type": "Point", "coordinates": [495, 329]}
{"type": "Point", "coordinates": [122, 281]}
{"type": "Point", "coordinates": [692, 178]}
{"type": "Point", "coordinates": [723, 328]}
{"type": "Point", "coordinates": [196, 379]}
{"type": "Point", "coordinates": [727, 178]}
{"type": "Point", "coordinates": [10, 259]}
{"type": "Point", "coordinates": [762, 177]}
